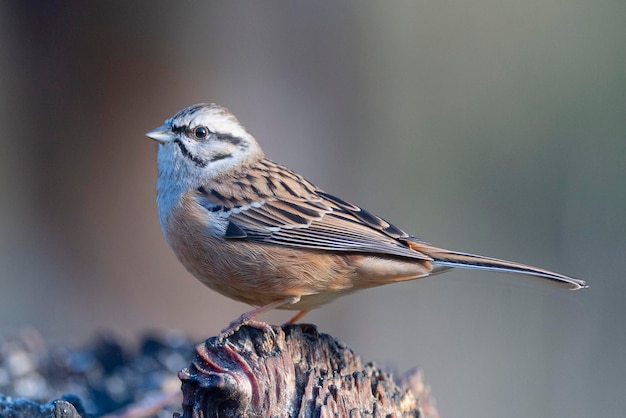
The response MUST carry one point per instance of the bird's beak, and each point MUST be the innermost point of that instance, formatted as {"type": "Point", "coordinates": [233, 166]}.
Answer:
{"type": "Point", "coordinates": [161, 134]}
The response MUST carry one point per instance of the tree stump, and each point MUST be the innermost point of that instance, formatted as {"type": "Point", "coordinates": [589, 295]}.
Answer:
{"type": "Point", "coordinates": [294, 371]}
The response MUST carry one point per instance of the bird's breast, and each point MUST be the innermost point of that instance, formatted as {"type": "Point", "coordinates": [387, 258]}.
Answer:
{"type": "Point", "coordinates": [251, 272]}
{"type": "Point", "coordinates": [258, 274]}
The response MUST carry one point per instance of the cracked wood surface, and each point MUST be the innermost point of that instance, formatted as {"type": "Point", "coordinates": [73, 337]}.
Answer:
{"type": "Point", "coordinates": [295, 371]}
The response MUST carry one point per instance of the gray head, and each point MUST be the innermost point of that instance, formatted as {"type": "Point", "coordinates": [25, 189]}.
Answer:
{"type": "Point", "coordinates": [197, 144]}
{"type": "Point", "coordinates": [206, 137]}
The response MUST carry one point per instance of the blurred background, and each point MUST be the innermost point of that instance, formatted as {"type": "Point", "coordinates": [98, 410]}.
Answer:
{"type": "Point", "coordinates": [496, 127]}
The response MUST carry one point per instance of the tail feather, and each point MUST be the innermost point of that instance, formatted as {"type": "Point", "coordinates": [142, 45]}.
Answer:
{"type": "Point", "coordinates": [445, 258]}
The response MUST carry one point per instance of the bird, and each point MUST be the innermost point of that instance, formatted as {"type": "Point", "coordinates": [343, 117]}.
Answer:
{"type": "Point", "coordinates": [259, 233]}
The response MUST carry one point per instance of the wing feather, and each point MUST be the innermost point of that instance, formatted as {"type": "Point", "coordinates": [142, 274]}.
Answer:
{"type": "Point", "coordinates": [273, 205]}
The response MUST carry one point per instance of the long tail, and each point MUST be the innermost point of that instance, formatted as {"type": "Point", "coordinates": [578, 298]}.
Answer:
{"type": "Point", "coordinates": [444, 259]}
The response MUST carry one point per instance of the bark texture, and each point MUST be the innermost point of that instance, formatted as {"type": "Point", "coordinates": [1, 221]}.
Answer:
{"type": "Point", "coordinates": [294, 371]}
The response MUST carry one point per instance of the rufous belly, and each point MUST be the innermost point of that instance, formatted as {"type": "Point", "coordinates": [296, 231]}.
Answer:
{"type": "Point", "coordinates": [259, 274]}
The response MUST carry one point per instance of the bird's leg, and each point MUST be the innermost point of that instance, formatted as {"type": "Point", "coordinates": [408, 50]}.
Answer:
{"type": "Point", "coordinates": [297, 317]}
{"type": "Point", "coordinates": [248, 317]}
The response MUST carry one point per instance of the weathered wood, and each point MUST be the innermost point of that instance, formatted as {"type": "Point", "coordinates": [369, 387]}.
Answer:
{"type": "Point", "coordinates": [294, 371]}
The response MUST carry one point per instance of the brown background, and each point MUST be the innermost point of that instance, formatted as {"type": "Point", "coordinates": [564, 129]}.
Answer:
{"type": "Point", "coordinates": [496, 127]}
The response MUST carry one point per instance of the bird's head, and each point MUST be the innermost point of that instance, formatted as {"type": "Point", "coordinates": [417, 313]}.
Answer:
{"type": "Point", "coordinates": [203, 141]}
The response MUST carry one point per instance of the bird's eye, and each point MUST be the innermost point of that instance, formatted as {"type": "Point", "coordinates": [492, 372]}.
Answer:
{"type": "Point", "coordinates": [200, 132]}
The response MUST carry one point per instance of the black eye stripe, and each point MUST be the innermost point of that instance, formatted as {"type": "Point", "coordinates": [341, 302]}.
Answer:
{"type": "Point", "coordinates": [229, 138]}
{"type": "Point", "coordinates": [179, 129]}
{"type": "Point", "coordinates": [191, 133]}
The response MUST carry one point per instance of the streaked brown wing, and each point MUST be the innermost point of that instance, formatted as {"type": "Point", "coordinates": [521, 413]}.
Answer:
{"type": "Point", "coordinates": [290, 211]}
